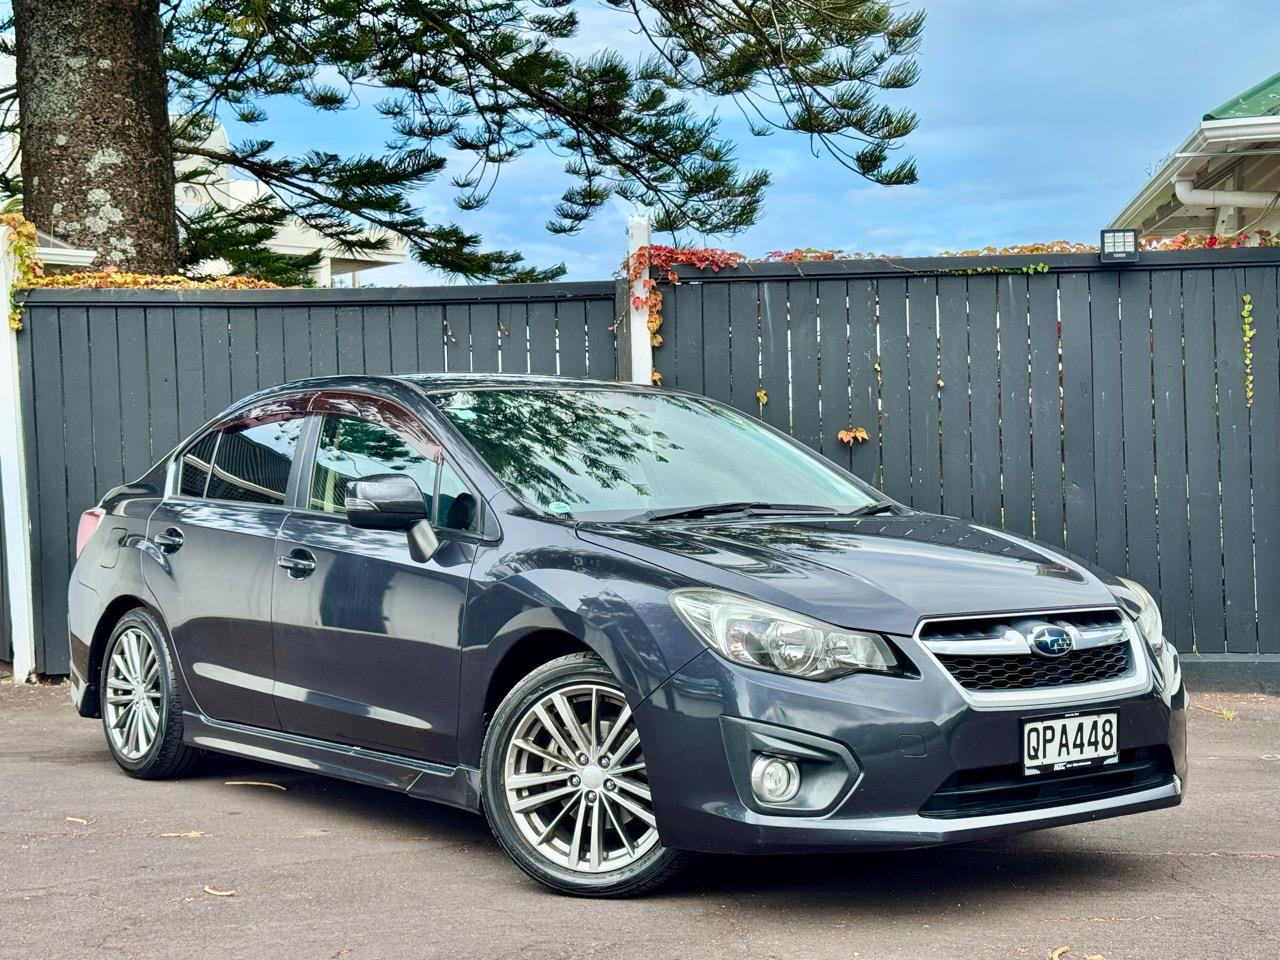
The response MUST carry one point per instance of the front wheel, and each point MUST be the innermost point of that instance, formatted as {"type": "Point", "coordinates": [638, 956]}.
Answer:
{"type": "Point", "coordinates": [566, 788]}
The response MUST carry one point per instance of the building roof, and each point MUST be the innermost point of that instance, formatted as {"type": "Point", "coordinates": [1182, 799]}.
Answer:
{"type": "Point", "coordinates": [1260, 100]}
{"type": "Point", "coordinates": [1234, 147]}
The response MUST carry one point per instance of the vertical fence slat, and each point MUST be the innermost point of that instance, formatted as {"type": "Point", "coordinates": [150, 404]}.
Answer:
{"type": "Point", "coordinates": [1108, 446]}
{"type": "Point", "coordinates": [457, 346]}
{"type": "Point", "coordinates": [864, 380]}
{"type": "Point", "coordinates": [216, 357]}
{"type": "Point", "coordinates": [1015, 409]}
{"type": "Point", "coordinates": [484, 337]}
{"type": "Point", "coordinates": [744, 346]}
{"type": "Point", "coordinates": [571, 324]}
{"type": "Point", "coordinates": [187, 339]}
{"type": "Point", "coordinates": [1264, 428]}
{"type": "Point", "coordinates": [431, 338]}
{"type": "Point", "coordinates": [135, 408]}
{"type": "Point", "coordinates": [298, 356]}
{"type": "Point", "coordinates": [49, 480]}
{"type": "Point", "coordinates": [350, 340]}
{"type": "Point", "coordinates": [922, 393]}
{"type": "Point", "coordinates": [716, 341]}
{"type": "Point", "coordinates": [1174, 588]}
{"type": "Point", "coordinates": [833, 321]}
{"type": "Point", "coordinates": [805, 423]}
{"type": "Point", "coordinates": [376, 324]}
{"type": "Point", "coordinates": [984, 401]}
{"type": "Point", "coordinates": [270, 346]}
{"type": "Point", "coordinates": [1234, 446]}
{"type": "Point", "coordinates": [542, 337]}
{"type": "Point", "coordinates": [162, 380]}
{"type": "Point", "coordinates": [1202, 462]}
{"type": "Point", "coordinates": [1046, 410]}
{"type": "Point", "coordinates": [242, 350]}
{"type": "Point", "coordinates": [895, 423]}
{"type": "Point", "coordinates": [602, 359]}
{"type": "Point", "coordinates": [403, 327]}
{"type": "Point", "coordinates": [514, 333]}
{"type": "Point", "coordinates": [953, 336]}
{"type": "Point", "coordinates": [1138, 428]}
{"type": "Point", "coordinates": [104, 382]}
{"type": "Point", "coordinates": [773, 354]}
{"type": "Point", "coordinates": [1077, 415]}
{"type": "Point", "coordinates": [682, 307]}
{"type": "Point", "coordinates": [76, 439]}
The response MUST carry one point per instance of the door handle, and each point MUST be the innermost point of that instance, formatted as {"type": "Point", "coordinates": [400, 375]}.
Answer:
{"type": "Point", "coordinates": [168, 540]}
{"type": "Point", "coordinates": [299, 563]}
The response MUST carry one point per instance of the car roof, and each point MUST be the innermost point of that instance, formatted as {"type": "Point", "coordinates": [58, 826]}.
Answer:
{"type": "Point", "coordinates": [429, 383]}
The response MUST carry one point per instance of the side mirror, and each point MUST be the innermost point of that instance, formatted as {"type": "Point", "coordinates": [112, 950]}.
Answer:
{"type": "Point", "coordinates": [388, 501]}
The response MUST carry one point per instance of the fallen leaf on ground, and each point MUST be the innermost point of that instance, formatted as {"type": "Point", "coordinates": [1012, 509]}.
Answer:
{"type": "Point", "coordinates": [188, 834]}
{"type": "Point", "coordinates": [253, 783]}
{"type": "Point", "coordinates": [80, 820]}
{"type": "Point", "coordinates": [218, 893]}
{"type": "Point", "coordinates": [1059, 953]}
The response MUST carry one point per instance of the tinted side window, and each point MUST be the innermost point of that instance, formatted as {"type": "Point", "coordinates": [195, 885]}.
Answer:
{"type": "Point", "coordinates": [252, 463]}
{"type": "Point", "coordinates": [459, 509]}
{"type": "Point", "coordinates": [194, 467]}
{"type": "Point", "coordinates": [350, 449]}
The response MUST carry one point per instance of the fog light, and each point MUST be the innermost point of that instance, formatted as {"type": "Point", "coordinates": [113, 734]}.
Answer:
{"type": "Point", "coordinates": [774, 780]}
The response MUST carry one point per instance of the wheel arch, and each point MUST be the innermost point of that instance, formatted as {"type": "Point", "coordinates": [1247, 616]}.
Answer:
{"type": "Point", "coordinates": [110, 616]}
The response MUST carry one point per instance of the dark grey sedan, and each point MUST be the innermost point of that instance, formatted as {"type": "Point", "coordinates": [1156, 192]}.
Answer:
{"type": "Point", "coordinates": [623, 623]}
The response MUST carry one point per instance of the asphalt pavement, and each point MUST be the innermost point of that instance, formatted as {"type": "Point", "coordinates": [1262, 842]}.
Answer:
{"type": "Point", "coordinates": [95, 864]}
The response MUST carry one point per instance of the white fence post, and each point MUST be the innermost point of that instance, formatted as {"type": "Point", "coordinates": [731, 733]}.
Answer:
{"type": "Point", "coordinates": [639, 345]}
{"type": "Point", "coordinates": [13, 486]}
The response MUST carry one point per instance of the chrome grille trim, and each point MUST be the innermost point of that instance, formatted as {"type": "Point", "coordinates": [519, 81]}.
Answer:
{"type": "Point", "coordinates": [984, 643]}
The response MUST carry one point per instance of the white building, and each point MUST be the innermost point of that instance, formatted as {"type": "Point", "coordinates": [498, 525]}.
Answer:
{"type": "Point", "coordinates": [1224, 179]}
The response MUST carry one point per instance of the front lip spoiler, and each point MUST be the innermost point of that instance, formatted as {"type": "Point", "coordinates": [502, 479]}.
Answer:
{"type": "Point", "coordinates": [774, 834]}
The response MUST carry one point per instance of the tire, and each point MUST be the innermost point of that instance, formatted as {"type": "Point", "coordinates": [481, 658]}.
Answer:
{"type": "Point", "coordinates": [144, 732]}
{"type": "Point", "coordinates": [599, 837]}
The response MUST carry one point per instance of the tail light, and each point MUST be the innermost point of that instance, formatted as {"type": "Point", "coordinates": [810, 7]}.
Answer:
{"type": "Point", "coordinates": [89, 521]}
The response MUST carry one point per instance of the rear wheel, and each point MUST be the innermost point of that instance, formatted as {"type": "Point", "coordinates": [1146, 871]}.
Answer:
{"type": "Point", "coordinates": [566, 787]}
{"type": "Point", "coordinates": [141, 704]}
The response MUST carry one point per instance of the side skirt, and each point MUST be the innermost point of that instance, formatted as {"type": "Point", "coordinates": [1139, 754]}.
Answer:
{"type": "Point", "coordinates": [457, 786]}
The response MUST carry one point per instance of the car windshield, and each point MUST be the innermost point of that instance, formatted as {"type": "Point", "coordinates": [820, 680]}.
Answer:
{"type": "Point", "coordinates": [613, 454]}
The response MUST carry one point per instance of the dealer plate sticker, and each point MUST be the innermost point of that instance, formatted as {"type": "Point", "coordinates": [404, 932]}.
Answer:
{"type": "Point", "coordinates": [1061, 743]}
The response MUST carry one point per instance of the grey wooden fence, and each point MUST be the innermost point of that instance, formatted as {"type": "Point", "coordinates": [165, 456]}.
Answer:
{"type": "Point", "coordinates": [1098, 409]}
{"type": "Point", "coordinates": [114, 379]}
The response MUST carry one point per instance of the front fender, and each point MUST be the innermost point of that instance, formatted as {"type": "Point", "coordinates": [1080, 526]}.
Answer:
{"type": "Point", "coordinates": [614, 605]}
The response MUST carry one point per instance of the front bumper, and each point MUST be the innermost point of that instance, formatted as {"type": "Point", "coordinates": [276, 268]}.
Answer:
{"type": "Point", "coordinates": [904, 739]}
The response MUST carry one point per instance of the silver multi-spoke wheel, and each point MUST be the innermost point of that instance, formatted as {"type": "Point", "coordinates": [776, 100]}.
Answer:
{"type": "Point", "coordinates": [132, 697]}
{"type": "Point", "coordinates": [575, 780]}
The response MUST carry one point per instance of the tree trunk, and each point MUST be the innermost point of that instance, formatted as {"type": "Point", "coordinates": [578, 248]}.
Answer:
{"type": "Point", "coordinates": [97, 162]}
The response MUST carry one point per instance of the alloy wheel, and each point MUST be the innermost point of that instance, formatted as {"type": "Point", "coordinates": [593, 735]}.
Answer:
{"type": "Point", "coordinates": [575, 780]}
{"type": "Point", "coordinates": [133, 694]}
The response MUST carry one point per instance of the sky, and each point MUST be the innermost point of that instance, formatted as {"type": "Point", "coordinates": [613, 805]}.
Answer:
{"type": "Point", "coordinates": [1037, 122]}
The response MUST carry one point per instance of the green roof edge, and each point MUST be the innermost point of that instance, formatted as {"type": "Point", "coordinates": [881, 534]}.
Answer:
{"type": "Point", "coordinates": [1260, 100]}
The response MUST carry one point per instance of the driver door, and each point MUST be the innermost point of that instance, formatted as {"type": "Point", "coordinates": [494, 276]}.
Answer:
{"type": "Point", "coordinates": [367, 641]}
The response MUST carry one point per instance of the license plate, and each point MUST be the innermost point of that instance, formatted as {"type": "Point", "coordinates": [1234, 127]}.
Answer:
{"type": "Point", "coordinates": [1061, 743]}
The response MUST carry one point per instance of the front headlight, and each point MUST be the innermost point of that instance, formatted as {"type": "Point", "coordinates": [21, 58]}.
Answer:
{"type": "Point", "coordinates": [1146, 613]}
{"type": "Point", "coordinates": [759, 635]}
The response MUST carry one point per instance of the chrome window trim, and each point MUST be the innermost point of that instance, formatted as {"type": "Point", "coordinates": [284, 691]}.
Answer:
{"type": "Point", "coordinates": [1138, 681]}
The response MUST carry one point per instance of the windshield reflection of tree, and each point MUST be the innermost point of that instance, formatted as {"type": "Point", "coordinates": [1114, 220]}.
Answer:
{"type": "Point", "coordinates": [535, 440]}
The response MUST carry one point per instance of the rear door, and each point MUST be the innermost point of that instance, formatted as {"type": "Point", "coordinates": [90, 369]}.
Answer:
{"type": "Point", "coordinates": [366, 639]}
{"type": "Point", "coordinates": [212, 557]}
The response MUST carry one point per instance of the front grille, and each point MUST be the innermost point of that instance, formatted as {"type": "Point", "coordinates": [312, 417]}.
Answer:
{"type": "Point", "coordinates": [1005, 789]}
{"type": "Point", "coordinates": [1029, 670]}
{"type": "Point", "coordinates": [992, 627]}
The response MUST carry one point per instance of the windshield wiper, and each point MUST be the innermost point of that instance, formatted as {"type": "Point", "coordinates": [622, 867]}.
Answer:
{"type": "Point", "coordinates": [753, 508]}
{"type": "Point", "coordinates": [871, 509]}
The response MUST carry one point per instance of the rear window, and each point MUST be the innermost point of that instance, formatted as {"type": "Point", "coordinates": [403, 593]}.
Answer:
{"type": "Point", "coordinates": [251, 464]}
{"type": "Point", "coordinates": [195, 466]}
